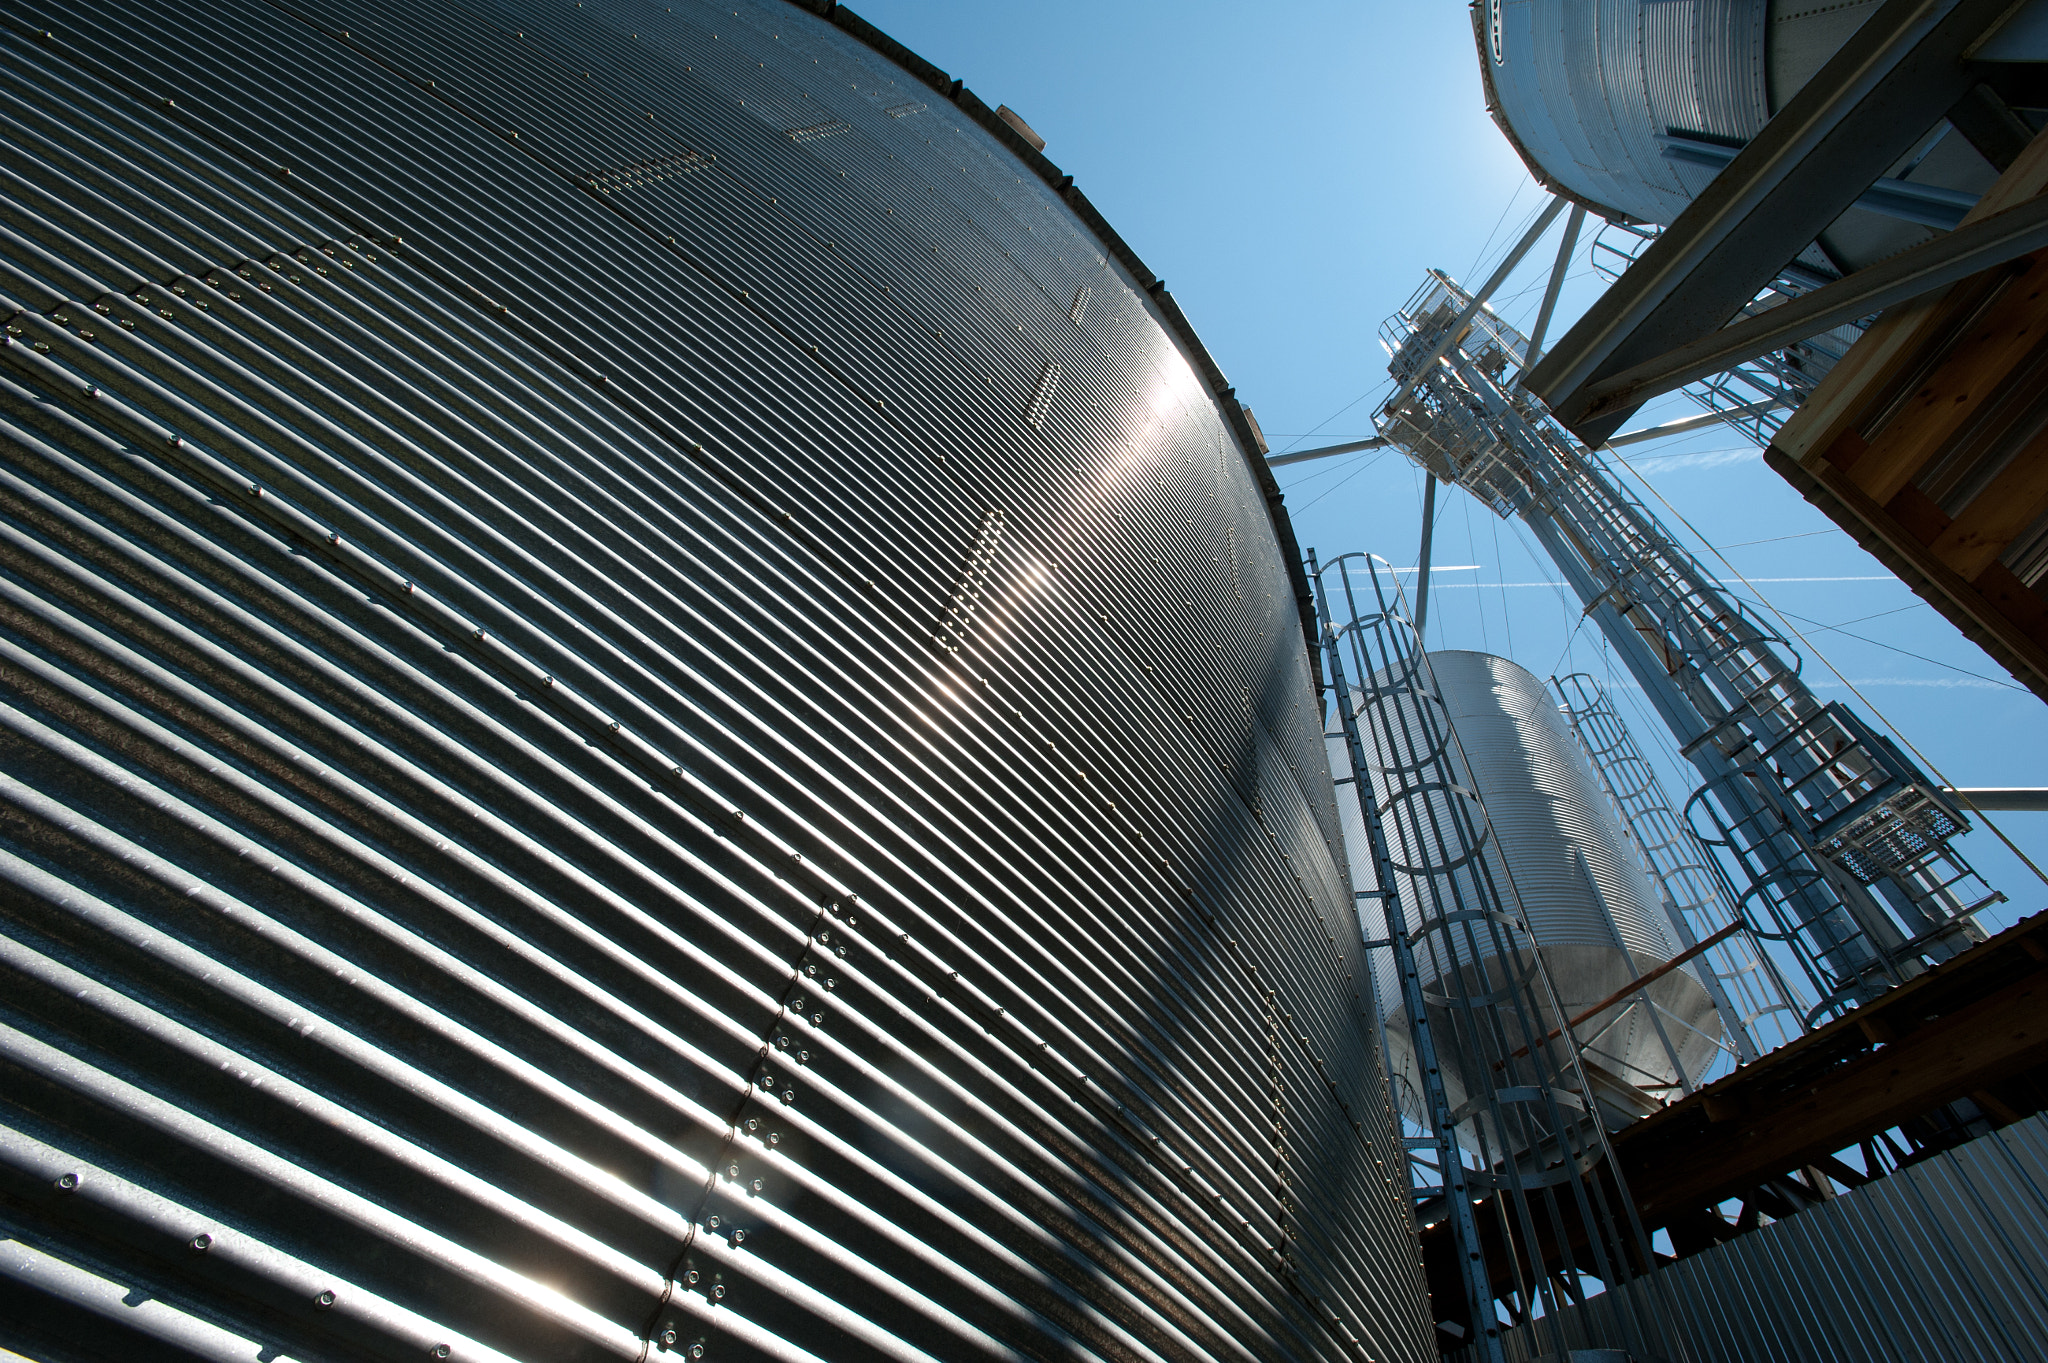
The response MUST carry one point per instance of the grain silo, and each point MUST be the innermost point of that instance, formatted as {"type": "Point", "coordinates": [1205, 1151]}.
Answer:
{"type": "Point", "coordinates": [1632, 107]}
{"type": "Point", "coordinates": [652, 702]}
{"type": "Point", "coordinates": [1555, 850]}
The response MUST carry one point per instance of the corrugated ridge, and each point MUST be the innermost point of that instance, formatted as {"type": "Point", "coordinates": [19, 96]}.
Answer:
{"type": "Point", "coordinates": [471, 703]}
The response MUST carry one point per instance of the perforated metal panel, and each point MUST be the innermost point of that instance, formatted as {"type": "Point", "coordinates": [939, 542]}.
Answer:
{"type": "Point", "coordinates": [623, 728]}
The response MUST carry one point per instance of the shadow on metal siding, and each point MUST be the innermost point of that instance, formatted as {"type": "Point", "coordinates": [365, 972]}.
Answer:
{"type": "Point", "coordinates": [1947, 1259]}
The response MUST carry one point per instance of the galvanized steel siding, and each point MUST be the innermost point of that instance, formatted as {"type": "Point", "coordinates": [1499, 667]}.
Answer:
{"type": "Point", "coordinates": [1947, 1259]}
{"type": "Point", "coordinates": [592, 762]}
{"type": "Point", "coordinates": [1547, 809]}
{"type": "Point", "coordinates": [1586, 87]}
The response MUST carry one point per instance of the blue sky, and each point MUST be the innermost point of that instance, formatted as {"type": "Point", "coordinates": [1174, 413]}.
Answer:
{"type": "Point", "coordinates": [1290, 171]}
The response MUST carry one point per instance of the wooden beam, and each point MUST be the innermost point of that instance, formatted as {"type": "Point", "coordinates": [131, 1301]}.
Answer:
{"type": "Point", "coordinates": [1886, 349]}
{"type": "Point", "coordinates": [1998, 342]}
{"type": "Point", "coordinates": [1977, 609]}
{"type": "Point", "coordinates": [1970, 1049]}
{"type": "Point", "coordinates": [2013, 501]}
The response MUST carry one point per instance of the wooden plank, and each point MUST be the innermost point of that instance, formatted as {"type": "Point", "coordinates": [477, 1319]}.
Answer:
{"type": "Point", "coordinates": [1972, 1048]}
{"type": "Point", "coordinates": [2003, 616]}
{"type": "Point", "coordinates": [1974, 370]}
{"type": "Point", "coordinates": [2013, 501]}
{"type": "Point", "coordinates": [1887, 349]}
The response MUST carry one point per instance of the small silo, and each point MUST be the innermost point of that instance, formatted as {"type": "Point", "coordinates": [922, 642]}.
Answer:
{"type": "Point", "coordinates": [1560, 859]}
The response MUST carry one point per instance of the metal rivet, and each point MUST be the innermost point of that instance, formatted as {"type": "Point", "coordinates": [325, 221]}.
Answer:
{"type": "Point", "coordinates": [324, 1300]}
{"type": "Point", "coordinates": [202, 1242]}
{"type": "Point", "coordinates": [67, 1183]}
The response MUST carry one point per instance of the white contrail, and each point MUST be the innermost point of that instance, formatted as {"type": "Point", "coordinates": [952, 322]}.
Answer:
{"type": "Point", "coordinates": [1821, 684]}
{"type": "Point", "coordinates": [1881, 577]}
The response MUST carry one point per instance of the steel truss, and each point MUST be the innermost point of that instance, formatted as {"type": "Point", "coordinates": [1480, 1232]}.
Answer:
{"type": "Point", "coordinates": [1840, 848]}
{"type": "Point", "coordinates": [1755, 396]}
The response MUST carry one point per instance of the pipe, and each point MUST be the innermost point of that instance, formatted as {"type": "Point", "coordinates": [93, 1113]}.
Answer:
{"type": "Point", "coordinates": [2032, 799]}
{"type": "Point", "coordinates": [1274, 461]}
{"type": "Point", "coordinates": [1694, 423]}
{"type": "Point", "coordinates": [1640, 982]}
{"type": "Point", "coordinates": [1422, 560]}
{"type": "Point", "coordinates": [1557, 271]}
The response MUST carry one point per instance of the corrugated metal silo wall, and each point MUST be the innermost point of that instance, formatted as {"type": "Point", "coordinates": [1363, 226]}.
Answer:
{"type": "Point", "coordinates": [1584, 88]}
{"type": "Point", "coordinates": [644, 706]}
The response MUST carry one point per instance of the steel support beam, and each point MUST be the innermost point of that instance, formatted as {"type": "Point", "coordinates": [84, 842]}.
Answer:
{"type": "Point", "coordinates": [1303, 456]}
{"type": "Point", "coordinates": [1895, 78]}
{"type": "Point", "coordinates": [1694, 423]}
{"type": "Point", "coordinates": [2030, 799]}
{"type": "Point", "coordinates": [1422, 560]}
{"type": "Point", "coordinates": [1557, 273]}
{"type": "Point", "coordinates": [1932, 265]}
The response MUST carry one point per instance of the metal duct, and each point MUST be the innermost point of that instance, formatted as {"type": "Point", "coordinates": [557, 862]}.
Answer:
{"type": "Point", "coordinates": [1558, 851]}
{"type": "Point", "coordinates": [647, 704]}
